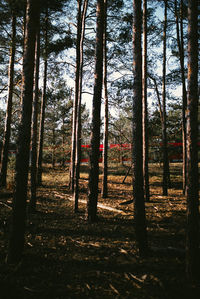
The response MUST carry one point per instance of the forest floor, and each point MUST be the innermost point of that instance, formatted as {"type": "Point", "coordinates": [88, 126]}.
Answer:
{"type": "Point", "coordinates": [65, 257]}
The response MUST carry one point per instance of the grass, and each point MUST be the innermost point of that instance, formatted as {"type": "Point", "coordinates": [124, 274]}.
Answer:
{"type": "Point", "coordinates": [65, 257]}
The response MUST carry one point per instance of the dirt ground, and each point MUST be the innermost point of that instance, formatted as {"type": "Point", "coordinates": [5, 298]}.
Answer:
{"type": "Point", "coordinates": [65, 257]}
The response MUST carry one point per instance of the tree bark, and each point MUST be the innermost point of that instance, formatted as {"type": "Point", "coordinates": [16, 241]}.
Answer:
{"type": "Point", "coordinates": [96, 120]}
{"type": "Point", "coordinates": [6, 141]}
{"type": "Point", "coordinates": [78, 120]}
{"type": "Point", "coordinates": [35, 124]}
{"type": "Point", "coordinates": [192, 233]}
{"type": "Point", "coordinates": [145, 107]}
{"type": "Point", "coordinates": [104, 192]}
{"type": "Point", "coordinates": [43, 106]}
{"type": "Point", "coordinates": [17, 234]}
{"type": "Point", "coordinates": [138, 182]}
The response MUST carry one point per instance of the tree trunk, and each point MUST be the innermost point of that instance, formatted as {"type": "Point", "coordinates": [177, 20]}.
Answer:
{"type": "Point", "coordinates": [16, 242]}
{"type": "Point", "coordinates": [184, 93]}
{"type": "Point", "coordinates": [144, 107]}
{"type": "Point", "coordinates": [43, 106]}
{"type": "Point", "coordinates": [78, 120]}
{"type": "Point", "coordinates": [165, 182]}
{"type": "Point", "coordinates": [192, 233]}
{"type": "Point", "coordinates": [35, 124]}
{"type": "Point", "coordinates": [75, 103]}
{"type": "Point", "coordinates": [53, 160]}
{"type": "Point", "coordinates": [184, 106]}
{"type": "Point", "coordinates": [63, 144]}
{"type": "Point", "coordinates": [96, 120]}
{"type": "Point", "coordinates": [104, 192]}
{"type": "Point", "coordinates": [138, 182]}
{"type": "Point", "coordinates": [6, 141]}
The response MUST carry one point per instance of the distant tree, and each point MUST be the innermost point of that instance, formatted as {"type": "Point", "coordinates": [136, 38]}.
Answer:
{"type": "Point", "coordinates": [16, 242]}
{"type": "Point", "coordinates": [96, 121]}
{"type": "Point", "coordinates": [43, 104]}
{"type": "Point", "coordinates": [192, 232]}
{"type": "Point", "coordinates": [138, 182]}
{"type": "Point", "coordinates": [7, 132]}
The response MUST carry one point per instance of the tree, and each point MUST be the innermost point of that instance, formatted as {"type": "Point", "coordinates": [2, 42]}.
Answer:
{"type": "Point", "coordinates": [138, 182]}
{"type": "Point", "coordinates": [104, 191]}
{"type": "Point", "coordinates": [16, 242]}
{"type": "Point", "coordinates": [96, 110]}
{"type": "Point", "coordinates": [52, 45]}
{"type": "Point", "coordinates": [165, 182]}
{"type": "Point", "coordinates": [192, 233]}
{"type": "Point", "coordinates": [34, 133]}
{"type": "Point", "coordinates": [180, 43]}
{"type": "Point", "coordinates": [75, 103]}
{"type": "Point", "coordinates": [5, 148]}
{"type": "Point", "coordinates": [78, 117]}
{"type": "Point", "coordinates": [43, 104]}
{"type": "Point", "coordinates": [144, 106]}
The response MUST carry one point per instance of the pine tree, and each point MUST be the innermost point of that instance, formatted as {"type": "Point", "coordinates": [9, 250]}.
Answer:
{"type": "Point", "coordinates": [6, 141]}
{"type": "Point", "coordinates": [17, 233]}
{"type": "Point", "coordinates": [95, 135]}
{"type": "Point", "coordinates": [104, 191]}
{"type": "Point", "coordinates": [192, 233]}
{"type": "Point", "coordinates": [138, 182]}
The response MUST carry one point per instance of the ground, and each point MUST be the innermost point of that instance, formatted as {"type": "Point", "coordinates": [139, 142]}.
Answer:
{"type": "Point", "coordinates": [65, 257]}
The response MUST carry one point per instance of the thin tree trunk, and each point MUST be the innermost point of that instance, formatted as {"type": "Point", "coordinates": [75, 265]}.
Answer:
{"type": "Point", "coordinates": [6, 141]}
{"type": "Point", "coordinates": [43, 106]}
{"type": "Point", "coordinates": [17, 233]}
{"type": "Point", "coordinates": [144, 107]}
{"type": "Point", "coordinates": [184, 106]}
{"type": "Point", "coordinates": [53, 148]}
{"type": "Point", "coordinates": [78, 121]}
{"type": "Point", "coordinates": [104, 192]}
{"type": "Point", "coordinates": [35, 124]}
{"type": "Point", "coordinates": [138, 182]}
{"type": "Point", "coordinates": [165, 182]}
{"type": "Point", "coordinates": [75, 103]}
{"type": "Point", "coordinates": [192, 233]}
{"type": "Point", "coordinates": [63, 143]}
{"type": "Point", "coordinates": [96, 119]}
{"type": "Point", "coordinates": [179, 33]}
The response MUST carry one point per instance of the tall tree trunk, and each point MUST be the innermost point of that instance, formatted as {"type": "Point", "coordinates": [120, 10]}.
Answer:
{"type": "Point", "coordinates": [43, 106]}
{"type": "Point", "coordinates": [184, 106]}
{"type": "Point", "coordinates": [104, 192]}
{"type": "Point", "coordinates": [164, 129]}
{"type": "Point", "coordinates": [16, 242]}
{"type": "Point", "coordinates": [192, 233]}
{"type": "Point", "coordinates": [78, 121]}
{"type": "Point", "coordinates": [138, 182]}
{"type": "Point", "coordinates": [96, 119]}
{"type": "Point", "coordinates": [179, 33]}
{"type": "Point", "coordinates": [75, 103]}
{"type": "Point", "coordinates": [35, 124]}
{"type": "Point", "coordinates": [144, 106]}
{"type": "Point", "coordinates": [6, 141]}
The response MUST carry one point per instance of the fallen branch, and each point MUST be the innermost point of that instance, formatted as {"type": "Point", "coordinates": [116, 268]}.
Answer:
{"type": "Point", "coordinates": [5, 205]}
